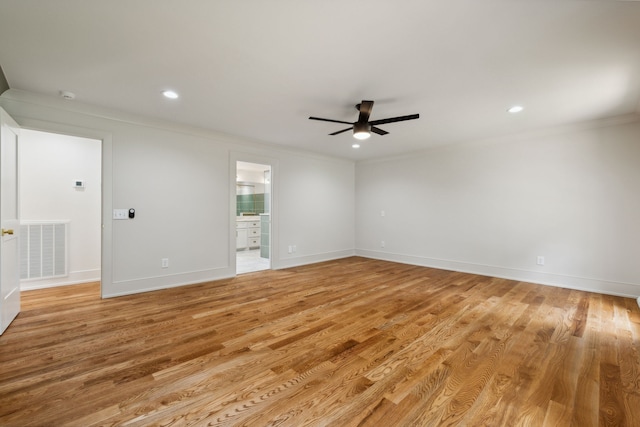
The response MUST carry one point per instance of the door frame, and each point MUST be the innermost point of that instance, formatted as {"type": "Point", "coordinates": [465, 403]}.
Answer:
{"type": "Point", "coordinates": [106, 139]}
{"type": "Point", "coordinates": [234, 158]}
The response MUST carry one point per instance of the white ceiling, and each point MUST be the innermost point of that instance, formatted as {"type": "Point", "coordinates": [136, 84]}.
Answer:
{"type": "Point", "coordinates": [258, 69]}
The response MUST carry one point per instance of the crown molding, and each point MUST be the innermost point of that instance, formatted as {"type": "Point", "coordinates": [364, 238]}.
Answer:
{"type": "Point", "coordinates": [532, 134]}
{"type": "Point", "coordinates": [90, 110]}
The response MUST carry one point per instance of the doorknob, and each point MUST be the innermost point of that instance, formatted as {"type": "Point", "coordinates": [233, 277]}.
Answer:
{"type": "Point", "coordinates": [6, 231]}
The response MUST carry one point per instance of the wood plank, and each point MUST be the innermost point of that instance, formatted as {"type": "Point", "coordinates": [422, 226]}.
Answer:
{"type": "Point", "coordinates": [343, 343]}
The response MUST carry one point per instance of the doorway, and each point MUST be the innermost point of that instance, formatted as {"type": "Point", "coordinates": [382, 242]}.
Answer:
{"type": "Point", "coordinates": [253, 217]}
{"type": "Point", "coordinates": [61, 205]}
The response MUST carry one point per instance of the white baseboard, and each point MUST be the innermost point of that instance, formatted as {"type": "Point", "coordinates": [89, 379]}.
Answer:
{"type": "Point", "coordinates": [127, 287]}
{"type": "Point", "coordinates": [311, 259]}
{"type": "Point", "coordinates": [148, 284]}
{"type": "Point", "coordinates": [622, 289]}
{"type": "Point", "coordinates": [74, 278]}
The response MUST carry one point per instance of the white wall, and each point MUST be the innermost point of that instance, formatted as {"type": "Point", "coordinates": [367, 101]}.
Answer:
{"type": "Point", "coordinates": [180, 181]}
{"type": "Point", "coordinates": [489, 207]}
{"type": "Point", "coordinates": [49, 164]}
{"type": "Point", "coordinates": [316, 203]}
{"type": "Point", "coordinates": [493, 207]}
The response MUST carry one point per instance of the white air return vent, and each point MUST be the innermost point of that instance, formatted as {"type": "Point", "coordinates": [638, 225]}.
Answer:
{"type": "Point", "coordinates": [43, 249]}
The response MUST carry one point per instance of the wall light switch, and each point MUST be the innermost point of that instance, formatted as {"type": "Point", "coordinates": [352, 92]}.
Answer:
{"type": "Point", "coordinates": [382, 213]}
{"type": "Point", "coordinates": [121, 214]}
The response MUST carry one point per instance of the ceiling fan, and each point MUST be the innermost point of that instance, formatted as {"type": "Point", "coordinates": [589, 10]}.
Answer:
{"type": "Point", "coordinates": [363, 127]}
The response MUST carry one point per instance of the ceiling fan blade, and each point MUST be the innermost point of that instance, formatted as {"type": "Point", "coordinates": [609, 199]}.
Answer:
{"type": "Point", "coordinates": [378, 131]}
{"type": "Point", "coordinates": [395, 119]}
{"type": "Point", "coordinates": [340, 131]}
{"type": "Point", "coordinates": [365, 108]}
{"type": "Point", "coordinates": [330, 120]}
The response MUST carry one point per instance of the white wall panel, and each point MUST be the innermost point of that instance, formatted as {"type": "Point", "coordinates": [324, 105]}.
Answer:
{"type": "Point", "coordinates": [493, 207]}
{"type": "Point", "coordinates": [178, 179]}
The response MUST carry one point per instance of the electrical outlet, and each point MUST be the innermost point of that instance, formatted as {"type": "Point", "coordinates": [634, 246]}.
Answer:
{"type": "Point", "coordinates": [382, 244]}
{"type": "Point", "coordinates": [382, 213]}
{"type": "Point", "coordinates": [294, 248]}
{"type": "Point", "coordinates": [165, 262]}
{"type": "Point", "coordinates": [540, 260]}
{"type": "Point", "coordinates": [290, 249]}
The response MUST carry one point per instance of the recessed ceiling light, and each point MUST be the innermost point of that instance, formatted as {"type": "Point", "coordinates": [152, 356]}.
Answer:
{"type": "Point", "coordinates": [170, 94]}
{"type": "Point", "coordinates": [515, 109]}
{"type": "Point", "coordinates": [356, 145]}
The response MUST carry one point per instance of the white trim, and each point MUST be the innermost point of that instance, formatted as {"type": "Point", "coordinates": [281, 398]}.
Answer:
{"type": "Point", "coordinates": [272, 162]}
{"type": "Point", "coordinates": [106, 142]}
{"type": "Point", "coordinates": [88, 110]}
{"type": "Point", "coordinates": [629, 290]}
{"type": "Point", "coordinates": [156, 283]}
{"type": "Point", "coordinates": [74, 278]}
{"type": "Point", "coordinates": [500, 139]}
{"type": "Point", "coordinates": [312, 259]}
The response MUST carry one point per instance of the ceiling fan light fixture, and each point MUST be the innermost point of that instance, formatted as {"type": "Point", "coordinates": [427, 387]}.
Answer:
{"type": "Point", "coordinates": [361, 135]}
{"type": "Point", "coordinates": [361, 131]}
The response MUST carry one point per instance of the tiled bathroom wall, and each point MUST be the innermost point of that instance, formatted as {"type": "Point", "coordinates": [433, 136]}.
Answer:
{"type": "Point", "coordinates": [250, 203]}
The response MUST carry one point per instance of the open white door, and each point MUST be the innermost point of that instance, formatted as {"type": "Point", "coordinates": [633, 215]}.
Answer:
{"type": "Point", "coordinates": [10, 222]}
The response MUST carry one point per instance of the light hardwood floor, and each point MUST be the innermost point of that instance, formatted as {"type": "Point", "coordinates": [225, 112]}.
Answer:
{"type": "Point", "coordinates": [343, 343]}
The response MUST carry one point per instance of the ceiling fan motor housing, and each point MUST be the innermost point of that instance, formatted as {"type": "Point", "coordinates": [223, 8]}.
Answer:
{"type": "Point", "coordinates": [361, 127]}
